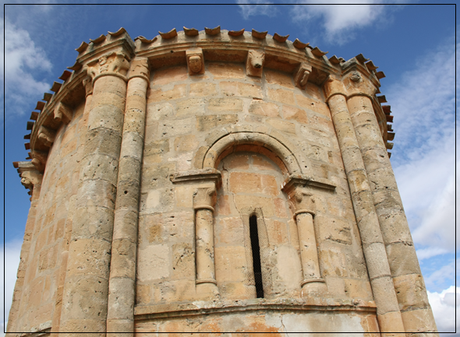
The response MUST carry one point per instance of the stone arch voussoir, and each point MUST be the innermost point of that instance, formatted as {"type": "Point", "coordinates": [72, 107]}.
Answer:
{"type": "Point", "coordinates": [279, 150]}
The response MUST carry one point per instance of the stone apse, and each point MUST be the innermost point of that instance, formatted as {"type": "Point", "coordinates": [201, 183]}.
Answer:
{"type": "Point", "coordinates": [214, 181]}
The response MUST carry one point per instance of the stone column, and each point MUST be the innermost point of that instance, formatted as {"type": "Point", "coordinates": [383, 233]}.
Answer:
{"type": "Point", "coordinates": [404, 266]}
{"type": "Point", "coordinates": [32, 180]}
{"type": "Point", "coordinates": [85, 293]}
{"type": "Point", "coordinates": [120, 315]}
{"type": "Point", "coordinates": [304, 214]}
{"type": "Point", "coordinates": [388, 314]}
{"type": "Point", "coordinates": [204, 200]}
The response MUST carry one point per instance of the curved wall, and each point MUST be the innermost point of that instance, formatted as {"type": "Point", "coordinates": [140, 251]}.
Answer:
{"type": "Point", "coordinates": [154, 157]}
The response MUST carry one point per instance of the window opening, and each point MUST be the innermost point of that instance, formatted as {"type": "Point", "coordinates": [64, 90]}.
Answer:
{"type": "Point", "coordinates": [254, 235]}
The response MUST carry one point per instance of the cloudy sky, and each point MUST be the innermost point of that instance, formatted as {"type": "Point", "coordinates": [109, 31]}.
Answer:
{"type": "Point", "coordinates": [413, 43]}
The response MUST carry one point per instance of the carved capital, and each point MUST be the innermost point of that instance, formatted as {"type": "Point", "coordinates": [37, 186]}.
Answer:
{"type": "Point", "coordinates": [303, 201]}
{"type": "Point", "coordinates": [333, 86]}
{"type": "Point", "coordinates": [255, 63]}
{"type": "Point", "coordinates": [205, 197]}
{"type": "Point", "coordinates": [301, 75]}
{"type": "Point", "coordinates": [140, 68]}
{"type": "Point", "coordinates": [195, 61]}
{"type": "Point", "coordinates": [358, 83]}
{"type": "Point", "coordinates": [114, 64]}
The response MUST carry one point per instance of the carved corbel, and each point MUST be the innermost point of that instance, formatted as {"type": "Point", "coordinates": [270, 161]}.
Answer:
{"type": "Point", "coordinates": [205, 198]}
{"type": "Point", "coordinates": [30, 177]}
{"type": "Point", "coordinates": [88, 85]}
{"type": "Point", "coordinates": [62, 113]}
{"type": "Point", "coordinates": [255, 63]}
{"type": "Point", "coordinates": [301, 75]}
{"type": "Point", "coordinates": [46, 135]}
{"type": "Point", "coordinates": [39, 159]}
{"type": "Point", "coordinates": [195, 61]}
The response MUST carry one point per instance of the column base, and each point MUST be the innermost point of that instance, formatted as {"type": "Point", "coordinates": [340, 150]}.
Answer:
{"type": "Point", "coordinates": [313, 287]}
{"type": "Point", "coordinates": [206, 290]}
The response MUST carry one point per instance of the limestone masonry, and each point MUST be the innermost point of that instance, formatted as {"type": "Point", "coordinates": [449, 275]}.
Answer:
{"type": "Point", "coordinates": [214, 181]}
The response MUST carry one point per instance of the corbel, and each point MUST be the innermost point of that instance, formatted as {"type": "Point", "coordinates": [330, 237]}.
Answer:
{"type": "Point", "coordinates": [46, 135]}
{"type": "Point", "coordinates": [301, 75]}
{"type": "Point", "coordinates": [39, 159]}
{"type": "Point", "coordinates": [255, 63]}
{"type": "Point", "coordinates": [62, 113]}
{"type": "Point", "coordinates": [30, 177]}
{"type": "Point", "coordinates": [195, 61]}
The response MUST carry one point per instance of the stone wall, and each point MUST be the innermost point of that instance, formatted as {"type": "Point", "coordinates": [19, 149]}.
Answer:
{"type": "Point", "coordinates": [214, 181]}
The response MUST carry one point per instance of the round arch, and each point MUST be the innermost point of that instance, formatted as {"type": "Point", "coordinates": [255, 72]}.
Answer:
{"type": "Point", "coordinates": [253, 141]}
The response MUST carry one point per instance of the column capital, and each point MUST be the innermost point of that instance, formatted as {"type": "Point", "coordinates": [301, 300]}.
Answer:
{"type": "Point", "coordinates": [205, 197]}
{"type": "Point", "coordinates": [333, 86]}
{"type": "Point", "coordinates": [114, 63]}
{"type": "Point", "coordinates": [357, 83]}
{"type": "Point", "coordinates": [139, 68]}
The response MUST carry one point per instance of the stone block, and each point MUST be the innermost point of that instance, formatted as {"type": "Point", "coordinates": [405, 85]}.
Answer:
{"type": "Point", "coordinates": [262, 108]}
{"type": "Point", "coordinates": [226, 70]}
{"type": "Point", "coordinates": [209, 122]}
{"type": "Point", "coordinates": [168, 75]}
{"type": "Point", "coordinates": [294, 113]}
{"type": "Point", "coordinates": [392, 323]}
{"type": "Point", "coordinates": [225, 104]}
{"type": "Point", "coordinates": [190, 107]}
{"type": "Point", "coordinates": [402, 259]}
{"type": "Point", "coordinates": [281, 125]}
{"type": "Point", "coordinates": [158, 95]}
{"type": "Point", "coordinates": [89, 258]}
{"type": "Point", "coordinates": [384, 296]}
{"type": "Point", "coordinates": [231, 264]}
{"type": "Point", "coordinates": [154, 263]}
{"type": "Point", "coordinates": [313, 104]}
{"type": "Point", "coordinates": [358, 289]}
{"type": "Point", "coordinates": [420, 320]}
{"type": "Point", "coordinates": [201, 89]}
{"type": "Point", "coordinates": [106, 116]}
{"type": "Point", "coordinates": [411, 292]}
{"type": "Point", "coordinates": [281, 95]}
{"type": "Point", "coordinates": [185, 143]}
{"type": "Point", "coordinates": [167, 129]}
{"type": "Point", "coordinates": [103, 141]}
{"type": "Point", "coordinates": [183, 261]}
{"type": "Point", "coordinates": [275, 77]}
{"type": "Point", "coordinates": [229, 231]}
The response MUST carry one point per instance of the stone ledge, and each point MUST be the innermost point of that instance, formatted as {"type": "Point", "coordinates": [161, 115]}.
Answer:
{"type": "Point", "coordinates": [197, 308]}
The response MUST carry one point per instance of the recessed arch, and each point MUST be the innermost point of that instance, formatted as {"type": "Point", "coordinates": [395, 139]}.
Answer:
{"type": "Point", "coordinates": [279, 151]}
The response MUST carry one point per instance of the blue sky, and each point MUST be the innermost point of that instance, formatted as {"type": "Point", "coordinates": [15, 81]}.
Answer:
{"type": "Point", "coordinates": [413, 43]}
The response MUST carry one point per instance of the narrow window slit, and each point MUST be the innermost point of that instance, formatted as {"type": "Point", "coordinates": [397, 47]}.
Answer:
{"type": "Point", "coordinates": [254, 235]}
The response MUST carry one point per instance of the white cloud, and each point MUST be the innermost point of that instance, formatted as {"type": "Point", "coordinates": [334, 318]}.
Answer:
{"type": "Point", "coordinates": [12, 253]}
{"type": "Point", "coordinates": [423, 157]}
{"type": "Point", "coordinates": [443, 306]}
{"type": "Point", "coordinates": [253, 8]}
{"type": "Point", "coordinates": [22, 59]}
{"type": "Point", "coordinates": [340, 20]}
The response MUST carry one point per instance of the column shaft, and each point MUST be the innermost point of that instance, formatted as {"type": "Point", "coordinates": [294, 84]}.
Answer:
{"type": "Point", "coordinates": [388, 313]}
{"type": "Point", "coordinates": [120, 315]}
{"type": "Point", "coordinates": [403, 262]}
{"type": "Point", "coordinates": [205, 270]}
{"type": "Point", "coordinates": [308, 249]}
{"type": "Point", "coordinates": [86, 286]}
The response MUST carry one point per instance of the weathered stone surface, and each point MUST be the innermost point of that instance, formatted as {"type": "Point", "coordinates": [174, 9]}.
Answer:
{"type": "Point", "coordinates": [124, 237]}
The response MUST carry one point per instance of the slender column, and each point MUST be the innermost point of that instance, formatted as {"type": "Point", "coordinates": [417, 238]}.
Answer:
{"type": "Point", "coordinates": [204, 200]}
{"type": "Point", "coordinates": [404, 266]}
{"type": "Point", "coordinates": [305, 211]}
{"type": "Point", "coordinates": [120, 315]}
{"type": "Point", "coordinates": [85, 293]}
{"type": "Point", "coordinates": [388, 313]}
{"type": "Point", "coordinates": [31, 179]}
